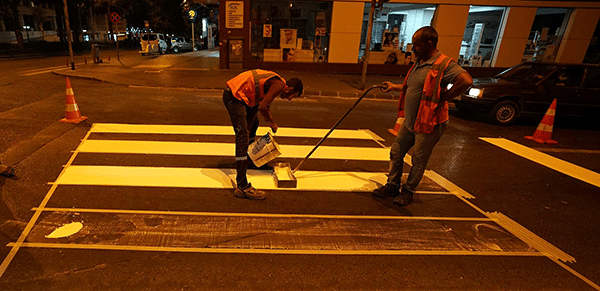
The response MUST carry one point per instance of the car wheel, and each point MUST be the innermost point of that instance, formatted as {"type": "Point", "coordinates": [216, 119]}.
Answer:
{"type": "Point", "coordinates": [175, 49]}
{"type": "Point", "coordinates": [504, 112]}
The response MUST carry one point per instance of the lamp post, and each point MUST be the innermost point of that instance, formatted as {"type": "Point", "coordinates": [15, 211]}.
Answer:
{"type": "Point", "coordinates": [69, 36]}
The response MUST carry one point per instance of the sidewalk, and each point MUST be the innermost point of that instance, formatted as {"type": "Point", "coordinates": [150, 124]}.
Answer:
{"type": "Point", "coordinates": [315, 84]}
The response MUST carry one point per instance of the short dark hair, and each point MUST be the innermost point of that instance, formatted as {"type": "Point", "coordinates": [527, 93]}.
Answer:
{"type": "Point", "coordinates": [428, 33]}
{"type": "Point", "coordinates": [296, 84]}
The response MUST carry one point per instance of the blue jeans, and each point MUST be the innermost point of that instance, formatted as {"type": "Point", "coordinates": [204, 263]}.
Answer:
{"type": "Point", "coordinates": [423, 147]}
{"type": "Point", "coordinates": [243, 119]}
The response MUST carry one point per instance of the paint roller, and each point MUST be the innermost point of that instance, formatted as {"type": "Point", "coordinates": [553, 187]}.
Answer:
{"type": "Point", "coordinates": [282, 171]}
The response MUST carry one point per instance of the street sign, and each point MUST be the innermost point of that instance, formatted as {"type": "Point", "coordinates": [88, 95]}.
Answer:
{"type": "Point", "coordinates": [192, 15]}
{"type": "Point", "coordinates": [114, 17]}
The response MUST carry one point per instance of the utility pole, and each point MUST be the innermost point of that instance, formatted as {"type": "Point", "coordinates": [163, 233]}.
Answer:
{"type": "Point", "coordinates": [69, 36]}
{"type": "Point", "coordinates": [368, 45]}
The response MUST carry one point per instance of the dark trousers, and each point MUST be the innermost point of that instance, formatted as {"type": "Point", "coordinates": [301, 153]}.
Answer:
{"type": "Point", "coordinates": [243, 119]}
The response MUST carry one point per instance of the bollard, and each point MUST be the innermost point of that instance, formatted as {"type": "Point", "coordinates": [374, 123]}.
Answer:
{"type": "Point", "coordinates": [66, 61]}
{"type": "Point", "coordinates": [109, 57]}
{"type": "Point", "coordinates": [85, 60]}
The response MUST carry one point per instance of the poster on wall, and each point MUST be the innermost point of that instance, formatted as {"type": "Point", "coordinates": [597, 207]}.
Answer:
{"type": "Point", "coordinates": [234, 13]}
{"type": "Point", "coordinates": [287, 38]}
{"type": "Point", "coordinates": [288, 55]}
{"type": "Point", "coordinates": [267, 30]}
{"type": "Point", "coordinates": [390, 40]}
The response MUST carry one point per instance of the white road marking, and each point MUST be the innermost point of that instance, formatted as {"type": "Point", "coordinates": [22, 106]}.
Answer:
{"type": "Point", "coordinates": [269, 215]}
{"type": "Point", "coordinates": [280, 251]}
{"type": "Point", "coordinates": [215, 178]}
{"type": "Point", "coordinates": [551, 162]}
{"type": "Point", "coordinates": [570, 151]}
{"type": "Point", "coordinates": [46, 70]}
{"type": "Point", "coordinates": [228, 149]}
{"type": "Point", "coordinates": [225, 130]}
{"type": "Point", "coordinates": [152, 66]}
{"type": "Point", "coordinates": [15, 247]}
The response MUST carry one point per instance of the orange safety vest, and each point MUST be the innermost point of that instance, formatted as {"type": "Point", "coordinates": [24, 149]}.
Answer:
{"type": "Point", "coordinates": [428, 116]}
{"type": "Point", "coordinates": [249, 86]}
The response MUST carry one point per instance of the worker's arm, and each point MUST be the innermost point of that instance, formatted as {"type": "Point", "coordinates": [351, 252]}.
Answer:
{"type": "Point", "coordinates": [276, 86]}
{"type": "Point", "coordinates": [389, 86]}
{"type": "Point", "coordinates": [461, 83]}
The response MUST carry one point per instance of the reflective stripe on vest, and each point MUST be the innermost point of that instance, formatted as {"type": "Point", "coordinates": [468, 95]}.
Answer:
{"type": "Point", "coordinates": [429, 115]}
{"type": "Point", "coordinates": [249, 86]}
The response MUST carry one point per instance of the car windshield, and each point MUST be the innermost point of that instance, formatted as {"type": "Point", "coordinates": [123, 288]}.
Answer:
{"type": "Point", "coordinates": [527, 72]}
{"type": "Point", "coordinates": [152, 37]}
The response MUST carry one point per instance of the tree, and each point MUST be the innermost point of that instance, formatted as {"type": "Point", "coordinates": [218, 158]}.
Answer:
{"type": "Point", "coordinates": [10, 16]}
{"type": "Point", "coordinates": [40, 18]}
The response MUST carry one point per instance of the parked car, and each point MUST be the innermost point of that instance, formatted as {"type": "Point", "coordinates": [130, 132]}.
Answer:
{"type": "Point", "coordinates": [530, 88]}
{"type": "Point", "coordinates": [153, 43]}
{"type": "Point", "coordinates": [179, 43]}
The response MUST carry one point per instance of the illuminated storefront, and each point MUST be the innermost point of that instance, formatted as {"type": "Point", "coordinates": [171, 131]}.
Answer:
{"type": "Point", "coordinates": [330, 36]}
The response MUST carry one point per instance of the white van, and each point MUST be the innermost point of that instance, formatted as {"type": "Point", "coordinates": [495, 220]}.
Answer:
{"type": "Point", "coordinates": [153, 43]}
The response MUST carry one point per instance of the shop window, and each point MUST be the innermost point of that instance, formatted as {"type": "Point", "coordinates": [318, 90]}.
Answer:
{"type": "Point", "coordinates": [393, 27]}
{"type": "Point", "coordinates": [546, 34]}
{"type": "Point", "coordinates": [290, 32]}
{"type": "Point", "coordinates": [480, 36]}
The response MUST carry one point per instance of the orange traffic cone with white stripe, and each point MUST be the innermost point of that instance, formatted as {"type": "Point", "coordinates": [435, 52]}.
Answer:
{"type": "Point", "coordinates": [72, 114]}
{"type": "Point", "coordinates": [543, 133]}
{"type": "Point", "coordinates": [397, 126]}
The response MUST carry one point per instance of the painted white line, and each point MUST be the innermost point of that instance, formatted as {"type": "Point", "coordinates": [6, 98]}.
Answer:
{"type": "Point", "coordinates": [34, 218]}
{"type": "Point", "coordinates": [570, 151]}
{"type": "Point", "coordinates": [152, 66]}
{"type": "Point", "coordinates": [269, 215]}
{"type": "Point", "coordinates": [225, 130]}
{"type": "Point", "coordinates": [530, 238]}
{"type": "Point", "coordinates": [215, 178]}
{"type": "Point", "coordinates": [281, 251]}
{"type": "Point", "coordinates": [46, 70]}
{"type": "Point", "coordinates": [228, 149]}
{"type": "Point", "coordinates": [451, 187]}
{"type": "Point", "coordinates": [551, 162]}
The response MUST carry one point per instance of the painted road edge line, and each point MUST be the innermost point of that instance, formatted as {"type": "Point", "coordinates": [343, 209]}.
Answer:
{"type": "Point", "coordinates": [278, 251]}
{"type": "Point", "coordinates": [551, 162]}
{"type": "Point", "coordinates": [15, 247]}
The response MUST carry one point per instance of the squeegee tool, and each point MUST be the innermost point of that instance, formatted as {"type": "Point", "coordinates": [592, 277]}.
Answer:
{"type": "Point", "coordinates": [283, 173]}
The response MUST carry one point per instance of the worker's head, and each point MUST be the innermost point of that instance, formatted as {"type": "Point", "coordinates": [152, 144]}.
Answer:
{"type": "Point", "coordinates": [425, 43]}
{"type": "Point", "coordinates": [293, 89]}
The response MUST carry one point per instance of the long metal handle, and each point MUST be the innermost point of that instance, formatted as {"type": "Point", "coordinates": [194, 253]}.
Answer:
{"type": "Point", "coordinates": [336, 124]}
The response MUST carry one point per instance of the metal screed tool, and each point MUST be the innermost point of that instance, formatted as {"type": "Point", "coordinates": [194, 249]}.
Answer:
{"type": "Point", "coordinates": [284, 175]}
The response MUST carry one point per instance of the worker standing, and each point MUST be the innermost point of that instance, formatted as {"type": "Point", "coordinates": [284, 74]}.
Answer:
{"type": "Point", "coordinates": [247, 94]}
{"type": "Point", "coordinates": [423, 104]}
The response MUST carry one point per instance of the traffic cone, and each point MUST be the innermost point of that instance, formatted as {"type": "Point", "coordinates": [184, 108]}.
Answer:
{"type": "Point", "coordinates": [72, 114]}
{"type": "Point", "coordinates": [543, 133]}
{"type": "Point", "coordinates": [397, 126]}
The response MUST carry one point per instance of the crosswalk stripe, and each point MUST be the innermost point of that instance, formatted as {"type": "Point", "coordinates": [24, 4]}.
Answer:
{"type": "Point", "coordinates": [224, 130]}
{"type": "Point", "coordinates": [215, 178]}
{"type": "Point", "coordinates": [228, 149]}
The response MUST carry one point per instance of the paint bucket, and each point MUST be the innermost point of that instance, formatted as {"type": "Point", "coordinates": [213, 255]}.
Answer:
{"type": "Point", "coordinates": [264, 150]}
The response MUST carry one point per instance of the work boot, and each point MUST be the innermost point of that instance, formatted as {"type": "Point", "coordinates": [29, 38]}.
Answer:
{"type": "Point", "coordinates": [405, 197]}
{"type": "Point", "coordinates": [386, 190]}
{"type": "Point", "coordinates": [250, 193]}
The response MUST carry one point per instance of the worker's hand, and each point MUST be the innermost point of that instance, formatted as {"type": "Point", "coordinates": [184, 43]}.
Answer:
{"type": "Point", "coordinates": [387, 86]}
{"type": "Point", "coordinates": [273, 126]}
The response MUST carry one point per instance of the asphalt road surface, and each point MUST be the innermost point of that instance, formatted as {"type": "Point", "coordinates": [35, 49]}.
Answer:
{"type": "Point", "coordinates": [139, 197]}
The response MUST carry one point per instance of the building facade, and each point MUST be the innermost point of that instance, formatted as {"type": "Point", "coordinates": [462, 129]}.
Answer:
{"type": "Point", "coordinates": [330, 36]}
